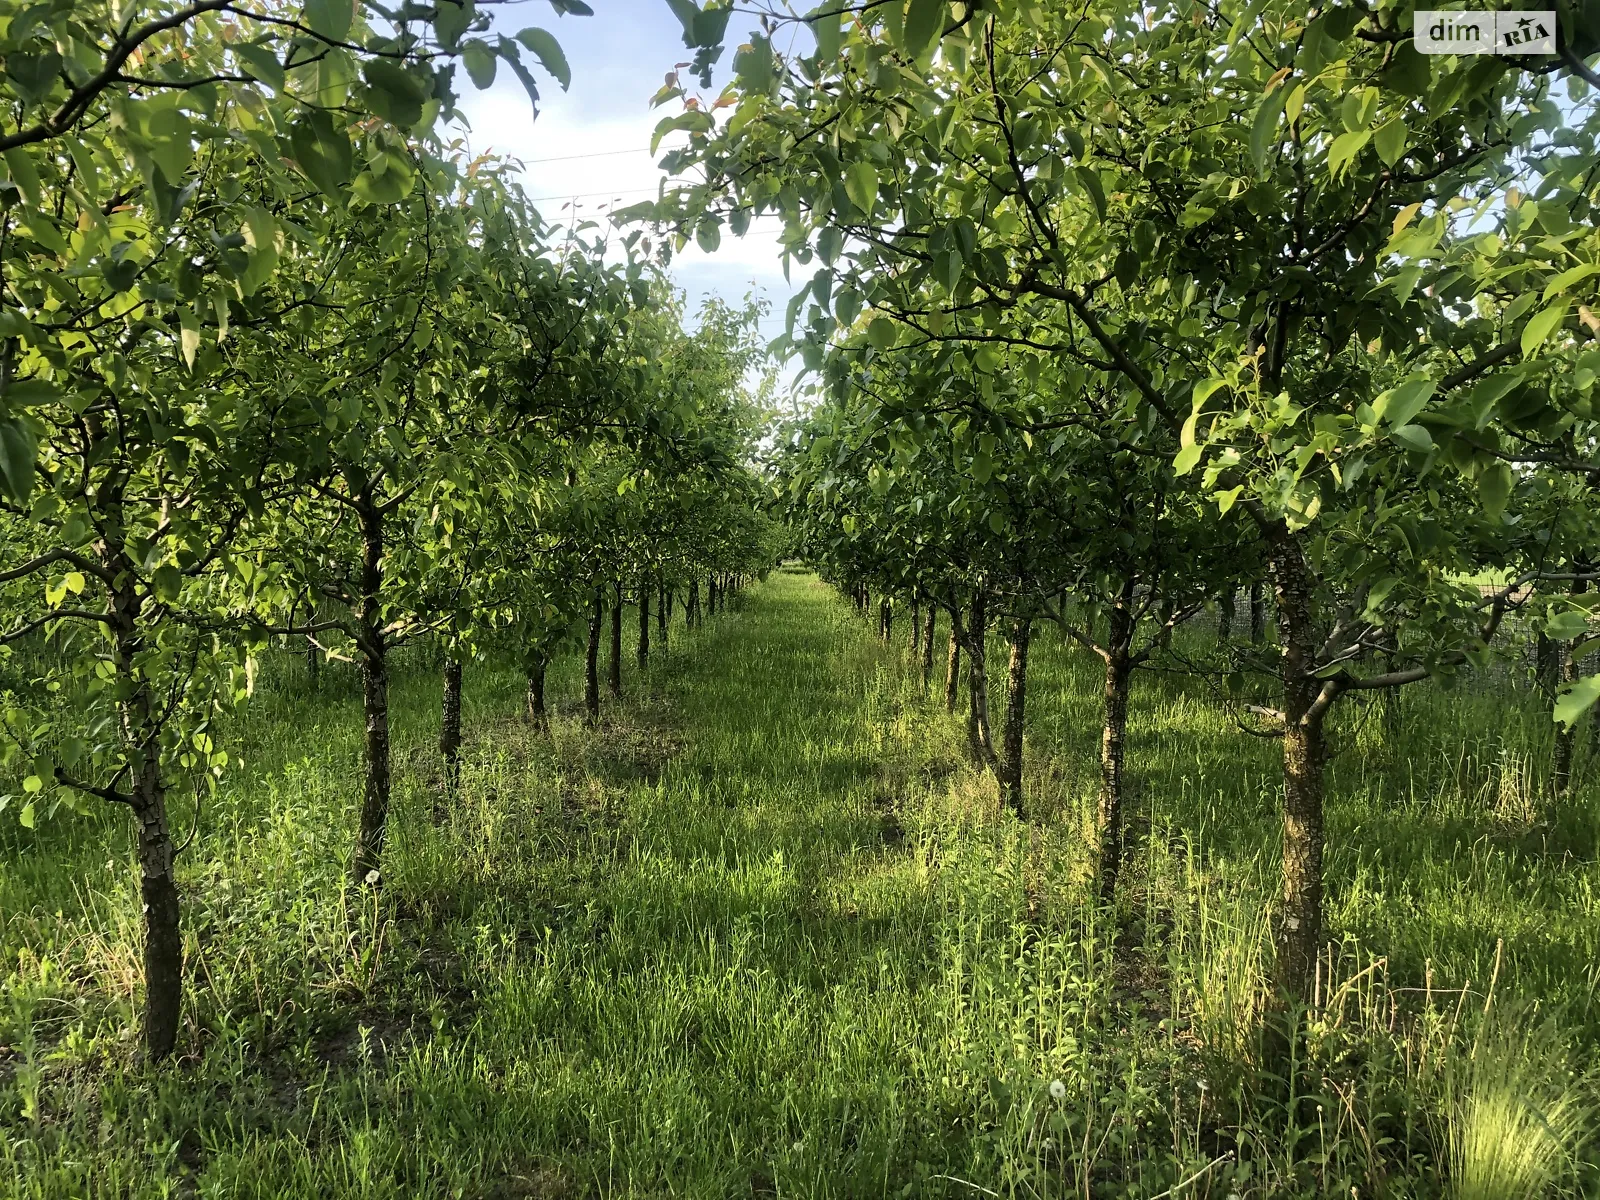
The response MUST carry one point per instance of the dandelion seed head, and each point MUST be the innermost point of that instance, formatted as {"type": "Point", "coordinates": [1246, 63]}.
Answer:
{"type": "Point", "coordinates": [1058, 1089]}
{"type": "Point", "coordinates": [372, 875]}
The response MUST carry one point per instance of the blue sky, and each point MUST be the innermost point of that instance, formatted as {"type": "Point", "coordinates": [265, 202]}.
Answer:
{"type": "Point", "coordinates": [589, 146]}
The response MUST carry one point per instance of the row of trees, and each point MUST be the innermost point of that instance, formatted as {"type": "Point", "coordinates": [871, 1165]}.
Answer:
{"type": "Point", "coordinates": [279, 358]}
{"type": "Point", "coordinates": [1121, 307]}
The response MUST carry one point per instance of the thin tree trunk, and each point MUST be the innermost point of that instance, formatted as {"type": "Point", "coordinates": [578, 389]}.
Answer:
{"type": "Point", "coordinates": [1225, 617]}
{"type": "Point", "coordinates": [952, 667]}
{"type": "Point", "coordinates": [663, 615]}
{"type": "Point", "coordinates": [1304, 756]}
{"type": "Point", "coordinates": [885, 619]}
{"type": "Point", "coordinates": [642, 652]}
{"type": "Point", "coordinates": [591, 665]}
{"type": "Point", "coordinates": [450, 724]}
{"type": "Point", "coordinates": [536, 707]}
{"type": "Point", "coordinates": [313, 663]}
{"type": "Point", "coordinates": [1113, 747]}
{"type": "Point", "coordinates": [163, 931]}
{"type": "Point", "coordinates": [931, 621]}
{"type": "Point", "coordinates": [1258, 614]}
{"type": "Point", "coordinates": [367, 862]}
{"type": "Point", "coordinates": [691, 606]}
{"type": "Point", "coordinates": [1546, 662]}
{"type": "Point", "coordinates": [979, 739]}
{"type": "Point", "coordinates": [614, 677]}
{"type": "Point", "coordinates": [1113, 738]}
{"type": "Point", "coordinates": [916, 625]}
{"type": "Point", "coordinates": [1016, 710]}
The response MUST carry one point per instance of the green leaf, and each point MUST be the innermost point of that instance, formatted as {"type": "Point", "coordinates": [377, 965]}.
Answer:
{"type": "Point", "coordinates": [547, 50]}
{"type": "Point", "coordinates": [330, 18]}
{"type": "Point", "coordinates": [19, 451]}
{"type": "Point", "coordinates": [259, 62]}
{"type": "Point", "coordinates": [881, 332]}
{"type": "Point", "coordinates": [708, 234]}
{"type": "Point", "coordinates": [1567, 624]}
{"type": "Point", "coordinates": [1569, 277]}
{"type": "Point", "coordinates": [167, 581]}
{"type": "Point", "coordinates": [261, 236]}
{"type": "Point", "coordinates": [451, 19]}
{"type": "Point", "coordinates": [1344, 150]}
{"type": "Point", "coordinates": [1413, 437]}
{"type": "Point", "coordinates": [1576, 699]}
{"type": "Point", "coordinates": [829, 242]}
{"type": "Point", "coordinates": [1541, 326]}
{"type": "Point", "coordinates": [924, 23]}
{"type": "Point", "coordinates": [1398, 405]}
{"type": "Point", "coordinates": [861, 185]}
{"type": "Point", "coordinates": [480, 62]}
{"type": "Point", "coordinates": [1185, 460]}
{"type": "Point", "coordinates": [1391, 141]}
{"type": "Point", "coordinates": [1090, 178]}
{"type": "Point", "coordinates": [33, 75]}
{"type": "Point", "coordinates": [753, 66]}
{"type": "Point", "coordinates": [323, 152]}
{"type": "Point", "coordinates": [710, 24]}
{"type": "Point", "coordinates": [1264, 128]}
{"type": "Point", "coordinates": [393, 92]}
{"type": "Point", "coordinates": [386, 187]}
{"type": "Point", "coordinates": [188, 336]}
{"type": "Point", "coordinates": [1494, 488]}
{"type": "Point", "coordinates": [824, 22]}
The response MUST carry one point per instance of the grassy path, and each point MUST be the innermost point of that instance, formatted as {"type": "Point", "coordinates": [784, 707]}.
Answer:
{"type": "Point", "coordinates": [763, 933]}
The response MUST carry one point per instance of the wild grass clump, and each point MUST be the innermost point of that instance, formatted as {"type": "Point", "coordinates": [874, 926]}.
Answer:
{"type": "Point", "coordinates": [1521, 1112]}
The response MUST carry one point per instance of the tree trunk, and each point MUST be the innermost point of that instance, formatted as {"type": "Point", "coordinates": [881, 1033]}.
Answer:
{"type": "Point", "coordinates": [1390, 701]}
{"type": "Point", "coordinates": [1225, 617]}
{"type": "Point", "coordinates": [916, 625]}
{"type": "Point", "coordinates": [930, 622]}
{"type": "Point", "coordinates": [614, 676]}
{"type": "Point", "coordinates": [979, 739]}
{"type": "Point", "coordinates": [642, 651]}
{"type": "Point", "coordinates": [663, 615]}
{"type": "Point", "coordinates": [313, 663]}
{"type": "Point", "coordinates": [691, 606]}
{"type": "Point", "coordinates": [536, 708]}
{"type": "Point", "coordinates": [1304, 755]}
{"type": "Point", "coordinates": [1113, 739]}
{"type": "Point", "coordinates": [141, 722]}
{"type": "Point", "coordinates": [1546, 662]}
{"type": "Point", "coordinates": [450, 724]}
{"type": "Point", "coordinates": [952, 667]}
{"type": "Point", "coordinates": [885, 619]}
{"type": "Point", "coordinates": [1258, 614]}
{"type": "Point", "coordinates": [591, 665]}
{"type": "Point", "coordinates": [367, 862]}
{"type": "Point", "coordinates": [163, 932]}
{"type": "Point", "coordinates": [1113, 745]}
{"type": "Point", "coordinates": [1016, 709]}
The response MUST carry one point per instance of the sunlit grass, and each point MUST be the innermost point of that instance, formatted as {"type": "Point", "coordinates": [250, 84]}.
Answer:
{"type": "Point", "coordinates": [766, 933]}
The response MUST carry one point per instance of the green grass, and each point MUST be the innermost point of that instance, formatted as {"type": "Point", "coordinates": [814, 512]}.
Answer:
{"type": "Point", "coordinates": [765, 933]}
